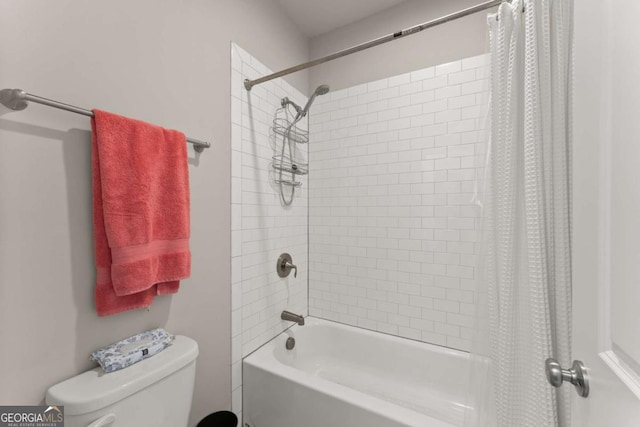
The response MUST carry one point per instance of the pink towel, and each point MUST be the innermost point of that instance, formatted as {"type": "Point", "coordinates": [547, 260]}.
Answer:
{"type": "Point", "coordinates": [140, 212]}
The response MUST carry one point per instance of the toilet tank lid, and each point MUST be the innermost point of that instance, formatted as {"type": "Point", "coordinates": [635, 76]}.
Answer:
{"type": "Point", "coordinates": [94, 390]}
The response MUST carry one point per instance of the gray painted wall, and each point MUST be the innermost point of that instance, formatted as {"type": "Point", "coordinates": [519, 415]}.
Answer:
{"type": "Point", "coordinates": [448, 42]}
{"type": "Point", "coordinates": [161, 61]}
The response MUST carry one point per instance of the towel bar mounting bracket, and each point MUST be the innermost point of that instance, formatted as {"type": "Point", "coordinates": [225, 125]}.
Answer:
{"type": "Point", "coordinates": [14, 99]}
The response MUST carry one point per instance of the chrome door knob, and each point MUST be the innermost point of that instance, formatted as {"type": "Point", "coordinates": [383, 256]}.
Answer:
{"type": "Point", "coordinates": [577, 375]}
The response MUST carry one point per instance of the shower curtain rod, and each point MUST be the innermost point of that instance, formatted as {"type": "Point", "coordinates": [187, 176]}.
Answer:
{"type": "Point", "coordinates": [17, 99]}
{"type": "Point", "coordinates": [248, 84]}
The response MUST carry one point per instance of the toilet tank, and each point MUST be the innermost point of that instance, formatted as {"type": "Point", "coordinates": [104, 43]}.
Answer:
{"type": "Point", "coordinates": [155, 392]}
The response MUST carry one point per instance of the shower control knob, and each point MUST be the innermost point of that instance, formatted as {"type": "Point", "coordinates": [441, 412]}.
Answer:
{"type": "Point", "coordinates": [285, 265]}
{"type": "Point", "coordinates": [577, 375]}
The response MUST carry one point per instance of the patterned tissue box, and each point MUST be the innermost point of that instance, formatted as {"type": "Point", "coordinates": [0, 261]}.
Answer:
{"type": "Point", "coordinates": [132, 350]}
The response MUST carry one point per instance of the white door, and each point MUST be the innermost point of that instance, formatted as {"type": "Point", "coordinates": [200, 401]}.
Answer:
{"type": "Point", "coordinates": [606, 256]}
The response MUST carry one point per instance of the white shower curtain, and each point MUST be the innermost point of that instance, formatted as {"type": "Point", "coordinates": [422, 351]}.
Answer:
{"type": "Point", "coordinates": [524, 275]}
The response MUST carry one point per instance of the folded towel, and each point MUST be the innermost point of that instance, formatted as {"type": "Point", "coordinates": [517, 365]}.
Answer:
{"type": "Point", "coordinates": [132, 350]}
{"type": "Point", "coordinates": [140, 212]}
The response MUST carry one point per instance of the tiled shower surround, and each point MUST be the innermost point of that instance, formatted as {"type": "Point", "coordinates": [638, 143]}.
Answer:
{"type": "Point", "coordinates": [392, 221]}
{"type": "Point", "coordinates": [261, 228]}
{"type": "Point", "coordinates": [388, 227]}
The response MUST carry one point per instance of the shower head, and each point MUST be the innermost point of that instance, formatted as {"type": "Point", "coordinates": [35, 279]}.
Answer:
{"type": "Point", "coordinates": [320, 90]}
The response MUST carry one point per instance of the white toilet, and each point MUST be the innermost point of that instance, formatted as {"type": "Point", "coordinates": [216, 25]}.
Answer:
{"type": "Point", "coordinates": [156, 392]}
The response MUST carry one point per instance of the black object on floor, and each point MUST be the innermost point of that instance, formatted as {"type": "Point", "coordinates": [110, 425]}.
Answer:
{"type": "Point", "coordinates": [219, 419]}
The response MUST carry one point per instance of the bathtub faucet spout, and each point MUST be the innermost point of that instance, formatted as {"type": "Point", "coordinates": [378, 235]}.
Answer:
{"type": "Point", "coordinates": [287, 315]}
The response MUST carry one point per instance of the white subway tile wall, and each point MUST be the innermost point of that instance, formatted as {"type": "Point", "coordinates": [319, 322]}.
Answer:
{"type": "Point", "coordinates": [261, 228]}
{"type": "Point", "coordinates": [392, 219]}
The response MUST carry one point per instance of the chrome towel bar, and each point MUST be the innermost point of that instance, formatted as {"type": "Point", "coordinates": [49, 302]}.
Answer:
{"type": "Point", "coordinates": [18, 99]}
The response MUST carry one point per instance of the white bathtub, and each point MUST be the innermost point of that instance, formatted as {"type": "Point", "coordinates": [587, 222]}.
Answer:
{"type": "Point", "coordinates": [342, 376]}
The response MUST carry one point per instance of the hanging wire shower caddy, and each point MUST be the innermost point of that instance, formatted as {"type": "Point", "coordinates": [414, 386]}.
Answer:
{"type": "Point", "coordinates": [281, 123]}
{"type": "Point", "coordinates": [287, 135]}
